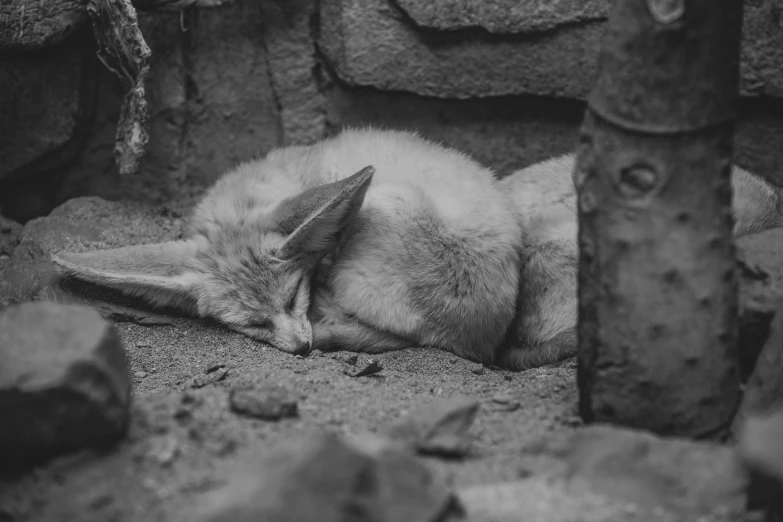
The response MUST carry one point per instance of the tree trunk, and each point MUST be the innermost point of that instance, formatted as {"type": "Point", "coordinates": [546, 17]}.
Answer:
{"type": "Point", "coordinates": [657, 287]}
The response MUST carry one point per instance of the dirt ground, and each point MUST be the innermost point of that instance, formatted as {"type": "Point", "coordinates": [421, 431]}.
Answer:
{"type": "Point", "coordinates": [185, 440]}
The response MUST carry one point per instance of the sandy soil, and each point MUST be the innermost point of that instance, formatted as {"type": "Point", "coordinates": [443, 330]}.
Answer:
{"type": "Point", "coordinates": [183, 439]}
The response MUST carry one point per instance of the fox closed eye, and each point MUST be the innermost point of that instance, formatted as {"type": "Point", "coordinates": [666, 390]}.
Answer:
{"type": "Point", "coordinates": [262, 324]}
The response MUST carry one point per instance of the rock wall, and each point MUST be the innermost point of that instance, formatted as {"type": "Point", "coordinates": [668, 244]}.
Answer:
{"type": "Point", "coordinates": [502, 79]}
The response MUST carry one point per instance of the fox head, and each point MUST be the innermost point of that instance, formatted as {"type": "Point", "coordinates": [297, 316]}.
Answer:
{"type": "Point", "coordinates": [253, 276]}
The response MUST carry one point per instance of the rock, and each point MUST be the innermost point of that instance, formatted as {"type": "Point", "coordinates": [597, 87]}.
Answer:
{"type": "Point", "coordinates": [503, 16]}
{"type": "Point", "coordinates": [678, 475]}
{"type": "Point", "coordinates": [548, 499]}
{"type": "Point", "coordinates": [29, 25]}
{"type": "Point", "coordinates": [139, 374]}
{"type": "Point", "coordinates": [199, 381]}
{"type": "Point", "coordinates": [761, 47]}
{"type": "Point", "coordinates": [369, 44]}
{"type": "Point", "coordinates": [761, 444]}
{"type": "Point", "coordinates": [44, 104]}
{"type": "Point", "coordinates": [506, 401]}
{"type": "Point", "coordinates": [235, 116]}
{"type": "Point", "coordinates": [760, 263]}
{"type": "Point", "coordinates": [422, 50]}
{"type": "Point", "coordinates": [761, 447]}
{"type": "Point", "coordinates": [214, 367]}
{"type": "Point", "coordinates": [504, 397]}
{"type": "Point", "coordinates": [764, 390]}
{"type": "Point", "coordinates": [439, 429]}
{"type": "Point", "coordinates": [9, 235]}
{"type": "Point", "coordinates": [263, 402]}
{"type": "Point", "coordinates": [292, 64]}
{"type": "Point", "coordinates": [371, 368]}
{"type": "Point", "coordinates": [79, 225]}
{"type": "Point", "coordinates": [164, 449]}
{"type": "Point", "coordinates": [64, 381]}
{"type": "Point", "coordinates": [322, 477]}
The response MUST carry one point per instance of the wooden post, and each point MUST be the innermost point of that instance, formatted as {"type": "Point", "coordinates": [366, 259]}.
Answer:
{"type": "Point", "coordinates": [657, 286]}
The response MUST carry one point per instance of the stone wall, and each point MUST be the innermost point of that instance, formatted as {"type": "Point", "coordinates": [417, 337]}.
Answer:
{"type": "Point", "coordinates": [502, 79]}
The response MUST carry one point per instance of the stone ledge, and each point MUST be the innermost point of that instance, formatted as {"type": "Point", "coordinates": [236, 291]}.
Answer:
{"type": "Point", "coordinates": [447, 48]}
{"type": "Point", "coordinates": [524, 16]}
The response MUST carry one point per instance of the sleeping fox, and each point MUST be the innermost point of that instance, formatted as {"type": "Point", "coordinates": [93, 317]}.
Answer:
{"type": "Point", "coordinates": [378, 240]}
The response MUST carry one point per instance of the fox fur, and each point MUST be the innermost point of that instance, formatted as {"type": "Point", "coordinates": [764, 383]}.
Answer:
{"type": "Point", "coordinates": [378, 240]}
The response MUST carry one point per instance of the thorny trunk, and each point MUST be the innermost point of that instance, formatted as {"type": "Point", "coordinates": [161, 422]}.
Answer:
{"type": "Point", "coordinates": [657, 287]}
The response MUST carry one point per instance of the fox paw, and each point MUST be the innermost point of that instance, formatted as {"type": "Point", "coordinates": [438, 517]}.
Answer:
{"type": "Point", "coordinates": [556, 350]}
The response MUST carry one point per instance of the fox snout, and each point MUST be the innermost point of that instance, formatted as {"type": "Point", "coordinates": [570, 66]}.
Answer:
{"type": "Point", "coordinates": [296, 346]}
{"type": "Point", "coordinates": [293, 335]}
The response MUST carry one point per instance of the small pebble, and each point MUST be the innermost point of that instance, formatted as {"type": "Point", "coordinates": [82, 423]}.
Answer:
{"type": "Point", "coordinates": [512, 406]}
{"type": "Point", "coordinates": [263, 402]}
{"type": "Point", "coordinates": [371, 368]}
{"type": "Point", "coordinates": [478, 370]}
{"type": "Point", "coordinates": [140, 374]}
{"type": "Point", "coordinates": [439, 429]}
{"type": "Point", "coordinates": [214, 368]}
{"type": "Point", "coordinates": [183, 414]}
{"type": "Point", "coordinates": [142, 344]}
{"type": "Point", "coordinates": [200, 381]}
{"type": "Point", "coordinates": [164, 450]}
{"type": "Point", "coordinates": [503, 398]}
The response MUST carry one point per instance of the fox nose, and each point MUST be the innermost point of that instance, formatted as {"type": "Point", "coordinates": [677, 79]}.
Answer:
{"type": "Point", "coordinates": [302, 348]}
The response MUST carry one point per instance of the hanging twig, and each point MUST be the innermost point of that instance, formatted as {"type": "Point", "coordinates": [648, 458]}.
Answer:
{"type": "Point", "coordinates": [122, 49]}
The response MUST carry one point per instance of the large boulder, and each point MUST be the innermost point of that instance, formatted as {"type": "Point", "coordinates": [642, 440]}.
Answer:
{"type": "Point", "coordinates": [64, 380]}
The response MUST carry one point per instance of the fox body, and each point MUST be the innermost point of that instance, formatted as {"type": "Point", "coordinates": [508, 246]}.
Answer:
{"type": "Point", "coordinates": [380, 240]}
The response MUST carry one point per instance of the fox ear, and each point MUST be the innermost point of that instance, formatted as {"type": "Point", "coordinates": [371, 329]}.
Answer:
{"type": "Point", "coordinates": [157, 273]}
{"type": "Point", "coordinates": [317, 217]}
